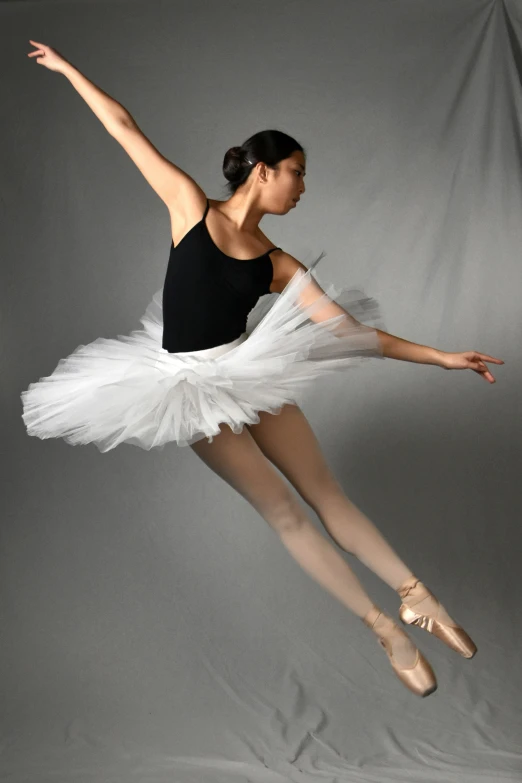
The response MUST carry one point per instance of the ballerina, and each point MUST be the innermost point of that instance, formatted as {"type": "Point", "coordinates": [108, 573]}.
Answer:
{"type": "Point", "coordinates": [196, 375]}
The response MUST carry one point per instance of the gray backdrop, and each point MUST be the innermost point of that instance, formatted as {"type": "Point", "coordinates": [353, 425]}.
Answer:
{"type": "Point", "coordinates": [153, 626]}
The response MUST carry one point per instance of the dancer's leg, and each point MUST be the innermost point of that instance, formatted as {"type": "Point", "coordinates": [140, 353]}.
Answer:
{"type": "Point", "coordinates": [289, 442]}
{"type": "Point", "coordinates": [239, 461]}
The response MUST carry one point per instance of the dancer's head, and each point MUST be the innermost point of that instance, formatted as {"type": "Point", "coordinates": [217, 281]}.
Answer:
{"type": "Point", "coordinates": [269, 165]}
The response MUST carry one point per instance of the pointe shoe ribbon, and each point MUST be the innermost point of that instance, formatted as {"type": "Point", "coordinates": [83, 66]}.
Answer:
{"type": "Point", "coordinates": [419, 678]}
{"type": "Point", "coordinates": [451, 634]}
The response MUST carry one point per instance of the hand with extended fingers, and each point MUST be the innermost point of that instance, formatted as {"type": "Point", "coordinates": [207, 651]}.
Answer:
{"type": "Point", "coordinates": [469, 360]}
{"type": "Point", "coordinates": [48, 57]}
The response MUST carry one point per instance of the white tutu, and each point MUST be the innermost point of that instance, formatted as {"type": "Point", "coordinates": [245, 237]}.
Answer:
{"type": "Point", "coordinates": [130, 389]}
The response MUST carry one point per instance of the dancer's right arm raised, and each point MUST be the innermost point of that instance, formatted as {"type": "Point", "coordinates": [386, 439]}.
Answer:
{"type": "Point", "coordinates": [167, 179]}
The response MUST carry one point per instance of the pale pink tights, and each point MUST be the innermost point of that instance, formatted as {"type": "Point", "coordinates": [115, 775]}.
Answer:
{"type": "Point", "coordinates": [246, 461]}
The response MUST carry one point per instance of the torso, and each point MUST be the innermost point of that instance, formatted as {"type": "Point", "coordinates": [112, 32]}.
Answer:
{"type": "Point", "coordinates": [248, 247]}
{"type": "Point", "coordinates": [208, 291]}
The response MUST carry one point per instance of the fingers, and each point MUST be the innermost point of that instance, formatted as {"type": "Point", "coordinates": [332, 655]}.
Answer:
{"type": "Point", "coordinates": [40, 51]}
{"type": "Point", "coordinates": [479, 367]}
{"type": "Point", "coordinates": [489, 358]}
{"type": "Point", "coordinates": [485, 374]}
{"type": "Point", "coordinates": [483, 369]}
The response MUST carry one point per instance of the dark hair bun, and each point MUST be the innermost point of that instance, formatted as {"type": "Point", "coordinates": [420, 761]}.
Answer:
{"type": "Point", "coordinates": [232, 163]}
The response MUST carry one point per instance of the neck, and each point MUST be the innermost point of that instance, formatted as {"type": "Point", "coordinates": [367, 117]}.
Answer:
{"type": "Point", "coordinates": [243, 212]}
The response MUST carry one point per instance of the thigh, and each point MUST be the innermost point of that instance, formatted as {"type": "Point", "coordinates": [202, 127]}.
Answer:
{"type": "Point", "coordinates": [288, 441]}
{"type": "Point", "coordinates": [239, 461]}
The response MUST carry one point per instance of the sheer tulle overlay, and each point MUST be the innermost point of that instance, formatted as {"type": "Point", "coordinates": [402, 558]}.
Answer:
{"type": "Point", "coordinates": [130, 390]}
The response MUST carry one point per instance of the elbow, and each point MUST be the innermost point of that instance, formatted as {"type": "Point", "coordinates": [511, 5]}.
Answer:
{"type": "Point", "coordinates": [122, 120]}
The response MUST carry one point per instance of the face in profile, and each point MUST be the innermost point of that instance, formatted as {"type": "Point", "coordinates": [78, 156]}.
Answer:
{"type": "Point", "coordinates": [285, 185]}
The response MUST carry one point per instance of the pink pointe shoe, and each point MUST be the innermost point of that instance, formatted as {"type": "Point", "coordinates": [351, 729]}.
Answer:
{"type": "Point", "coordinates": [450, 633]}
{"type": "Point", "coordinates": [419, 678]}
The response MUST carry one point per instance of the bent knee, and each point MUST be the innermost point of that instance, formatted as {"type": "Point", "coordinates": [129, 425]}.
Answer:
{"type": "Point", "coordinates": [283, 515]}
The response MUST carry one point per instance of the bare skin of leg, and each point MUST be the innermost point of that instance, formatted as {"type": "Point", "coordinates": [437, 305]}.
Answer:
{"type": "Point", "coordinates": [288, 441]}
{"type": "Point", "coordinates": [239, 461]}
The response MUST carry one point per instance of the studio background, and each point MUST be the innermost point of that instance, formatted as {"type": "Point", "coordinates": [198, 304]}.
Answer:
{"type": "Point", "coordinates": [153, 626]}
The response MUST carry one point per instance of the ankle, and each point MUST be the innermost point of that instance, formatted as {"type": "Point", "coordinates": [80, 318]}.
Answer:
{"type": "Point", "coordinates": [412, 590]}
{"type": "Point", "coordinates": [378, 621]}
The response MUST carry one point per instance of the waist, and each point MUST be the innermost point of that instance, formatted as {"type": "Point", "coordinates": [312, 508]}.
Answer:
{"type": "Point", "coordinates": [217, 350]}
{"type": "Point", "coordinates": [212, 353]}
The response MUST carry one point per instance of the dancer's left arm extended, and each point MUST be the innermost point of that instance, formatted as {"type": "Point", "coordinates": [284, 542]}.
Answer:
{"type": "Point", "coordinates": [392, 347]}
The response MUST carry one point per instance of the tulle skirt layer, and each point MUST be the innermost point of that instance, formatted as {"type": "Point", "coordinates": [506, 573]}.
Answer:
{"type": "Point", "coordinates": [130, 390]}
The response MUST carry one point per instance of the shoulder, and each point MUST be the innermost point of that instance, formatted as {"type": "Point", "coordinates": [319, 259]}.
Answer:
{"type": "Point", "coordinates": [285, 266]}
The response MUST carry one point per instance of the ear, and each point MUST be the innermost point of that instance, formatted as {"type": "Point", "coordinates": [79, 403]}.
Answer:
{"type": "Point", "coordinates": [263, 172]}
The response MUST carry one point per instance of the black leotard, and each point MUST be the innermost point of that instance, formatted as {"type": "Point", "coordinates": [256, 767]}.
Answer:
{"type": "Point", "coordinates": [207, 295]}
